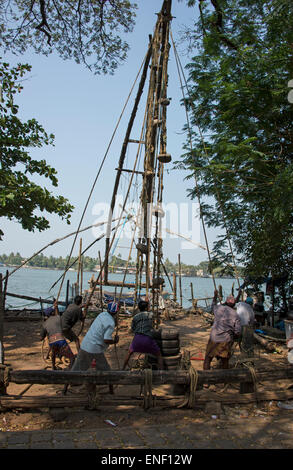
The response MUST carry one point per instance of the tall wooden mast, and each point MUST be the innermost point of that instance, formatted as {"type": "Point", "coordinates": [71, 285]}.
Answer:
{"type": "Point", "coordinates": [155, 142]}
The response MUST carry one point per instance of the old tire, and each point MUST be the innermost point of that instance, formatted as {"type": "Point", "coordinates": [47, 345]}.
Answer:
{"type": "Point", "coordinates": [170, 351]}
{"type": "Point", "coordinates": [172, 360]}
{"type": "Point", "coordinates": [166, 334]}
{"type": "Point", "coordinates": [168, 343]}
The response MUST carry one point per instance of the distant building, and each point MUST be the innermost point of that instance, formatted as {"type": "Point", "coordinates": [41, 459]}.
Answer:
{"type": "Point", "coordinates": [199, 272]}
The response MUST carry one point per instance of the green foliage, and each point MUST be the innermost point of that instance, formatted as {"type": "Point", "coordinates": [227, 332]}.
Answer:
{"type": "Point", "coordinates": [19, 196]}
{"type": "Point", "coordinates": [82, 30]}
{"type": "Point", "coordinates": [49, 262]}
{"type": "Point", "coordinates": [239, 99]}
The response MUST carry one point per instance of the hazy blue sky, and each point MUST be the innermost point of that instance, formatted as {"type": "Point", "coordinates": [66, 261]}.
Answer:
{"type": "Point", "coordinates": [82, 110]}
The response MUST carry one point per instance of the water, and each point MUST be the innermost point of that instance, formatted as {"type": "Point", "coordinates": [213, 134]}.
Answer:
{"type": "Point", "coordinates": [37, 283]}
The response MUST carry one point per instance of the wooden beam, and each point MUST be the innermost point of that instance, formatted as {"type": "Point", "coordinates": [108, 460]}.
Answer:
{"type": "Point", "coordinates": [235, 375]}
{"type": "Point", "coordinates": [130, 171]}
{"type": "Point", "coordinates": [82, 401]}
{"type": "Point", "coordinates": [37, 299]}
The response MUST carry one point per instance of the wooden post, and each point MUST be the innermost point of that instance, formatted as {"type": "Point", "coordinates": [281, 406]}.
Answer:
{"type": "Point", "coordinates": [42, 308]}
{"type": "Point", "coordinates": [1, 323]}
{"type": "Point", "coordinates": [77, 291]}
{"type": "Point", "coordinates": [81, 276]}
{"type": "Point", "coordinates": [67, 293]}
{"type": "Point", "coordinates": [5, 288]}
{"type": "Point", "coordinates": [247, 347]}
{"type": "Point", "coordinates": [191, 289]}
{"type": "Point", "coordinates": [174, 287]}
{"type": "Point", "coordinates": [101, 284]}
{"type": "Point", "coordinates": [273, 303]}
{"type": "Point", "coordinates": [220, 293]}
{"type": "Point", "coordinates": [180, 285]}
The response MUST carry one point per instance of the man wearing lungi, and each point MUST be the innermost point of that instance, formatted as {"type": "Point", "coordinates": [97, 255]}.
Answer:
{"type": "Point", "coordinates": [226, 328]}
{"type": "Point", "coordinates": [143, 341]}
{"type": "Point", "coordinates": [58, 345]}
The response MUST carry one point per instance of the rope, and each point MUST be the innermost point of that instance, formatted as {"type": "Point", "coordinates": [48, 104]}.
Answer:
{"type": "Point", "coordinates": [206, 153]}
{"type": "Point", "coordinates": [99, 171]}
{"type": "Point", "coordinates": [147, 389]}
{"type": "Point", "coordinates": [93, 400]}
{"type": "Point", "coordinates": [190, 396]}
{"type": "Point", "coordinates": [248, 364]}
{"type": "Point", "coordinates": [191, 150]}
{"type": "Point", "coordinates": [4, 376]}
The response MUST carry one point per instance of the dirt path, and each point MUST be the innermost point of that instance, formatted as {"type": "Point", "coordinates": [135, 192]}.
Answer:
{"type": "Point", "coordinates": [23, 351]}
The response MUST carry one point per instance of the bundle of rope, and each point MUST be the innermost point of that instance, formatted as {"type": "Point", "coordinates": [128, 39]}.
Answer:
{"type": "Point", "coordinates": [190, 395]}
{"type": "Point", "coordinates": [249, 365]}
{"type": "Point", "coordinates": [148, 399]}
{"type": "Point", "coordinates": [4, 378]}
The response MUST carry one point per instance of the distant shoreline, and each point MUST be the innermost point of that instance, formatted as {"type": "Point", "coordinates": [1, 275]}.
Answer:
{"type": "Point", "coordinates": [90, 271]}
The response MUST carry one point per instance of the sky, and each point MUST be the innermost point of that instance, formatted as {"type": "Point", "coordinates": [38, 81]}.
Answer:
{"type": "Point", "coordinates": [82, 110]}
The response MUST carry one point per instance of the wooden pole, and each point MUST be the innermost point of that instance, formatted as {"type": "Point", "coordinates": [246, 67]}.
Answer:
{"type": "Point", "coordinates": [273, 303]}
{"type": "Point", "coordinates": [247, 347]}
{"type": "Point", "coordinates": [5, 288]}
{"type": "Point", "coordinates": [41, 304]}
{"type": "Point", "coordinates": [81, 276]}
{"type": "Point", "coordinates": [36, 299]}
{"type": "Point", "coordinates": [220, 293]}
{"type": "Point", "coordinates": [123, 154]}
{"type": "Point", "coordinates": [191, 288]}
{"type": "Point", "coordinates": [180, 285]}
{"type": "Point", "coordinates": [174, 287]}
{"type": "Point", "coordinates": [81, 401]}
{"type": "Point", "coordinates": [1, 323]}
{"type": "Point", "coordinates": [101, 284]}
{"type": "Point", "coordinates": [79, 266]}
{"type": "Point", "coordinates": [67, 293]}
{"type": "Point", "coordinates": [137, 377]}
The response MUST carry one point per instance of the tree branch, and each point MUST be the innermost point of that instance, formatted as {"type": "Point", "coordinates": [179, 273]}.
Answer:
{"type": "Point", "coordinates": [44, 22]}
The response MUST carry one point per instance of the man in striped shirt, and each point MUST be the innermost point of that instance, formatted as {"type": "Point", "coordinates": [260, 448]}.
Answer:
{"type": "Point", "coordinates": [143, 341]}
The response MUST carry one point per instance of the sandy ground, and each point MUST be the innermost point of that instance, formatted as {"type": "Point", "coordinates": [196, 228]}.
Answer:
{"type": "Point", "coordinates": [23, 351]}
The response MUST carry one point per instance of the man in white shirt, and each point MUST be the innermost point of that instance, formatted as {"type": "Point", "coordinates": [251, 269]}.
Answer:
{"type": "Point", "coordinates": [96, 341]}
{"type": "Point", "coordinates": [245, 312]}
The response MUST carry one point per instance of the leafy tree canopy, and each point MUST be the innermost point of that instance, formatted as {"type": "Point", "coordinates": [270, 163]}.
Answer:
{"type": "Point", "coordinates": [87, 31]}
{"type": "Point", "coordinates": [238, 98]}
{"type": "Point", "coordinates": [20, 197]}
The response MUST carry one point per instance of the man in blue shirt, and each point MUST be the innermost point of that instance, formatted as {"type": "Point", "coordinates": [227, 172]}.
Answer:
{"type": "Point", "coordinates": [96, 341]}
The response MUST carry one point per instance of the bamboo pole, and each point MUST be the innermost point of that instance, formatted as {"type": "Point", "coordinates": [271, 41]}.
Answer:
{"type": "Point", "coordinates": [101, 284]}
{"type": "Point", "coordinates": [79, 265]}
{"type": "Point", "coordinates": [174, 287]}
{"type": "Point", "coordinates": [192, 297]}
{"type": "Point", "coordinates": [180, 284]}
{"type": "Point", "coordinates": [53, 243]}
{"type": "Point", "coordinates": [36, 299]}
{"type": "Point", "coordinates": [67, 293]}
{"type": "Point", "coordinates": [5, 288]}
{"type": "Point", "coordinates": [41, 304]}
{"type": "Point", "coordinates": [81, 276]}
{"type": "Point", "coordinates": [1, 322]}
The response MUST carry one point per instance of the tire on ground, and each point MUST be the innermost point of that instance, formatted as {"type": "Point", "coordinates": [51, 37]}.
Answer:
{"type": "Point", "coordinates": [168, 343]}
{"type": "Point", "coordinates": [172, 360]}
{"type": "Point", "coordinates": [166, 334]}
{"type": "Point", "coordinates": [170, 351]}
